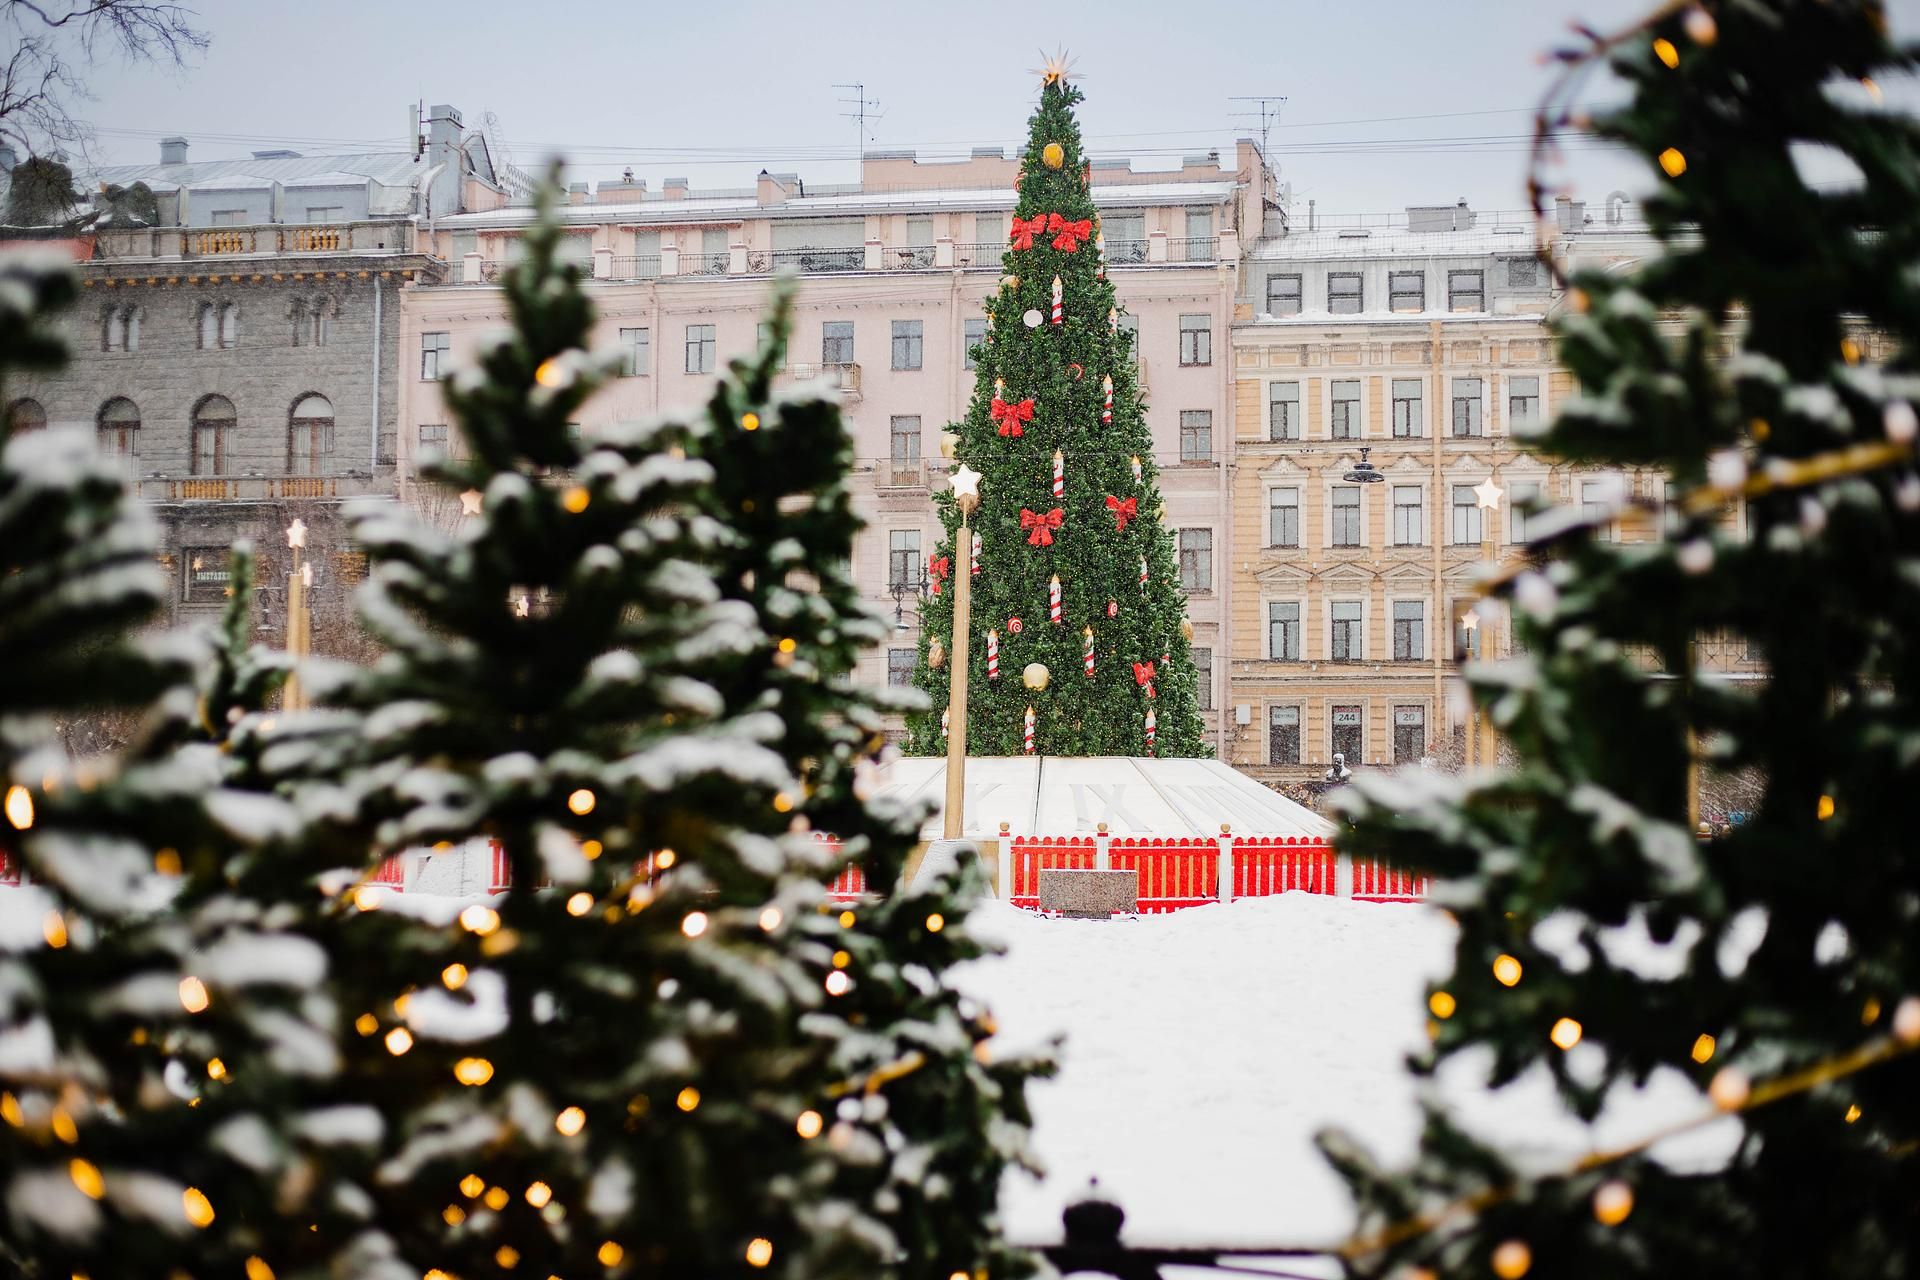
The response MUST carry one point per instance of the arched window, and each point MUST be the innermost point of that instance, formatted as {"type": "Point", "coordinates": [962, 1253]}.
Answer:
{"type": "Point", "coordinates": [230, 325]}
{"type": "Point", "coordinates": [213, 427]}
{"type": "Point", "coordinates": [118, 428]}
{"type": "Point", "coordinates": [26, 415]}
{"type": "Point", "coordinates": [209, 327]}
{"type": "Point", "coordinates": [310, 437]}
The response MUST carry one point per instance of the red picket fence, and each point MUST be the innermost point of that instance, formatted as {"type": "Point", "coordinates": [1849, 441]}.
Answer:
{"type": "Point", "coordinates": [392, 874]}
{"type": "Point", "coordinates": [1174, 873]}
{"type": "Point", "coordinates": [1034, 854]}
{"type": "Point", "coordinates": [851, 884]}
{"type": "Point", "coordinates": [1374, 883]}
{"type": "Point", "coordinates": [9, 868]}
{"type": "Point", "coordinates": [1266, 865]}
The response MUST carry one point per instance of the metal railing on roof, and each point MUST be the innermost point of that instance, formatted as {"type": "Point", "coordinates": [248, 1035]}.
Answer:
{"type": "Point", "coordinates": [812, 261]}
{"type": "Point", "coordinates": [1122, 253]}
{"type": "Point", "coordinates": [979, 257]}
{"type": "Point", "coordinates": [1193, 248]}
{"type": "Point", "coordinates": [645, 266]}
{"type": "Point", "coordinates": [908, 258]}
{"type": "Point", "coordinates": [703, 264]}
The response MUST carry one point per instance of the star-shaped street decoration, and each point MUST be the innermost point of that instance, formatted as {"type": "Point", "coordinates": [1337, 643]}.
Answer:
{"type": "Point", "coordinates": [966, 482]}
{"type": "Point", "coordinates": [1470, 622]}
{"type": "Point", "coordinates": [470, 503]}
{"type": "Point", "coordinates": [297, 533]}
{"type": "Point", "coordinates": [1055, 68]}
{"type": "Point", "coordinates": [1487, 494]}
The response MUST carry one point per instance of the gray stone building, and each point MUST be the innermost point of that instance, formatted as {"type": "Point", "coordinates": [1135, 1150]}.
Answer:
{"type": "Point", "coordinates": [241, 352]}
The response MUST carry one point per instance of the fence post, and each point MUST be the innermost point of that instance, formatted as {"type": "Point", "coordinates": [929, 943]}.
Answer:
{"type": "Point", "coordinates": [1006, 863]}
{"type": "Point", "coordinates": [1224, 890]}
{"type": "Point", "coordinates": [1343, 876]}
{"type": "Point", "coordinates": [1101, 843]}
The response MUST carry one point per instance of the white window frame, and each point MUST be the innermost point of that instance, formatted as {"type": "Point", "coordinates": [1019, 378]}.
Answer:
{"type": "Point", "coordinates": [1299, 730]}
{"type": "Point", "coordinates": [1461, 482]}
{"type": "Point", "coordinates": [1425, 522]}
{"type": "Point", "coordinates": [1419, 424]}
{"type": "Point", "coordinates": [1541, 485]}
{"type": "Point", "coordinates": [1424, 650]}
{"type": "Point", "coordinates": [1361, 426]}
{"type": "Point", "coordinates": [1360, 644]}
{"type": "Point", "coordinates": [1616, 483]}
{"type": "Point", "coordinates": [1486, 427]}
{"type": "Point", "coordinates": [1327, 487]}
{"type": "Point", "coordinates": [1299, 519]}
{"type": "Point", "coordinates": [1300, 626]}
{"type": "Point", "coordinates": [1213, 549]}
{"type": "Point", "coordinates": [1299, 408]}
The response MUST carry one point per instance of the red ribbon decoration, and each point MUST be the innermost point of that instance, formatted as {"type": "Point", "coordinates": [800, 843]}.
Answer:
{"type": "Point", "coordinates": [939, 567]}
{"type": "Point", "coordinates": [1124, 509]}
{"type": "Point", "coordinates": [1024, 232]}
{"type": "Point", "coordinates": [1068, 235]}
{"type": "Point", "coordinates": [1008, 417]}
{"type": "Point", "coordinates": [1042, 525]}
{"type": "Point", "coordinates": [1143, 675]}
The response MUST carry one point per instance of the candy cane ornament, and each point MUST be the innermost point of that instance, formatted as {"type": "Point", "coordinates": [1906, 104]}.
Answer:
{"type": "Point", "coordinates": [1135, 462]}
{"type": "Point", "coordinates": [1059, 474]}
{"type": "Point", "coordinates": [944, 715]}
{"type": "Point", "coordinates": [1059, 314]}
{"type": "Point", "coordinates": [1027, 735]}
{"type": "Point", "coordinates": [1152, 724]}
{"type": "Point", "coordinates": [1086, 651]}
{"type": "Point", "coordinates": [1053, 599]}
{"type": "Point", "coordinates": [1143, 575]}
{"type": "Point", "coordinates": [976, 555]}
{"type": "Point", "coordinates": [1106, 410]}
{"type": "Point", "coordinates": [993, 655]}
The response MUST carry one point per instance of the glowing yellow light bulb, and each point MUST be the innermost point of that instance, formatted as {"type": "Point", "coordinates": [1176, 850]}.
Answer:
{"type": "Point", "coordinates": [1853, 1113]}
{"type": "Point", "coordinates": [1703, 1048]}
{"type": "Point", "coordinates": [694, 924]}
{"type": "Point", "coordinates": [453, 1215]}
{"type": "Point", "coordinates": [199, 1209]}
{"type": "Point", "coordinates": [688, 1099]}
{"type": "Point", "coordinates": [1870, 1012]}
{"type": "Point", "coordinates": [216, 1069]}
{"type": "Point", "coordinates": [576, 499]}
{"type": "Point", "coordinates": [1729, 1089]}
{"type": "Point", "coordinates": [1566, 1033]}
{"type": "Point", "coordinates": [63, 1126]}
{"type": "Point", "coordinates": [166, 862]}
{"type": "Point", "coordinates": [808, 1125]}
{"type": "Point", "coordinates": [1612, 1202]}
{"type": "Point", "coordinates": [936, 922]}
{"type": "Point", "coordinates": [54, 930]}
{"type": "Point", "coordinates": [787, 645]}
{"type": "Point", "coordinates": [399, 1040]}
{"type": "Point", "coordinates": [10, 1111]}
{"type": "Point", "coordinates": [538, 1194]}
{"type": "Point", "coordinates": [1442, 1004]}
{"type": "Point", "coordinates": [1512, 1260]}
{"type": "Point", "coordinates": [193, 994]}
{"type": "Point", "coordinates": [19, 807]}
{"type": "Point", "coordinates": [770, 919]}
{"type": "Point", "coordinates": [838, 983]}
{"type": "Point", "coordinates": [472, 1185]}
{"type": "Point", "coordinates": [590, 849]}
{"type": "Point", "coordinates": [257, 1268]}
{"type": "Point", "coordinates": [1673, 162]}
{"type": "Point", "coordinates": [548, 374]}
{"type": "Point", "coordinates": [579, 904]}
{"type": "Point", "coordinates": [749, 422]}
{"type": "Point", "coordinates": [664, 858]}
{"type": "Point", "coordinates": [846, 919]}
{"type": "Point", "coordinates": [581, 802]}
{"type": "Point", "coordinates": [506, 1257]}
{"type": "Point", "coordinates": [86, 1176]}
{"type": "Point", "coordinates": [782, 802]}
{"type": "Point", "coordinates": [1663, 49]}
{"type": "Point", "coordinates": [496, 1198]}
{"type": "Point", "coordinates": [841, 959]}
{"type": "Point", "coordinates": [480, 920]}
{"type": "Point", "coordinates": [1506, 971]}
{"type": "Point", "coordinates": [366, 898]}
{"type": "Point", "coordinates": [610, 1254]}
{"type": "Point", "coordinates": [759, 1252]}
{"type": "Point", "coordinates": [366, 1024]}
{"type": "Point", "coordinates": [570, 1121]}
{"type": "Point", "coordinates": [454, 976]}
{"type": "Point", "coordinates": [473, 1071]}
{"type": "Point", "coordinates": [1824, 809]}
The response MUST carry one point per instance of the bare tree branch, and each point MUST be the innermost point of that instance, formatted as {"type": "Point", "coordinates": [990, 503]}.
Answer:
{"type": "Point", "coordinates": [54, 45]}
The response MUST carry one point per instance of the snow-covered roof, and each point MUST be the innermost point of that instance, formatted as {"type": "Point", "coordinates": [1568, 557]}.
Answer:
{"type": "Point", "coordinates": [332, 178]}
{"type": "Point", "coordinates": [1398, 317]}
{"type": "Point", "coordinates": [231, 182]}
{"type": "Point", "coordinates": [392, 168]}
{"type": "Point", "coordinates": [1070, 796]}
{"type": "Point", "coordinates": [1396, 242]}
{"type": "Point", "coordinates": [734, 208]}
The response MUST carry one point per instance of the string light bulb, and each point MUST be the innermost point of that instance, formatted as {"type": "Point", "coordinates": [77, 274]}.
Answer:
{"type": "Point", "coordinates": [770, 919]}
{"type": "Point", "coordinates": [19, 807]}
{"type": "Point", "coordinates": [473, 1071]}
{"type": "Point", "coordinates": [1906, 1020]}
{"type": "Point", "coordinates": [496, 1198]}
{"type": "Point", "coordinates": [1512, 1260]}
{"type": "Point", "coordinates": [838, 983]}
{"type": "Point", "coordinates": [257, 1268]}
{"type": "Point", "coordinates": [1566, 1033]}
{"type": "Point", "coordinates": [366, 898]}
{"type": "Point", "coordinates": [86, 1176]}
{"type": "Point", "coordinates": [1506, 971]}
{"type": "Point", "coordinates": [1729, 1089]}
{"type": "Point", "coordinates": [610, 1254]}
{"type": "Point", "coordinates": [759, 1252]}
{"type": "Point", "coordinates": [695, 924]}
{"type": "Point", "coordinates": [399, 1040]}
{"type": "Point", "coordinates": [199, 1209]}
{"type": "Point", "coordinates": [1853, 1113]}
{"type": "Point", "coordinates": [1612, 1202]}
{"type": "Point", "coordinates": [1672, 162]}
{"type": "Point", "coordinates": [580, 903]}
{"type": "Point", "coordinates": [366, 1024]}
{"type": "Point", "coordinates": [454, 976]}
{"type": "Point", "coordinates": [472, 1185]}
{"type": "Point", "coordinates": [538, 1194]}
{"type": "Point", "coordinates": [193, 994]}
{"type": "Point", "coordinates": [453, 1215]}
{"type": "Point", "coordinates": [936, 922]}
{"type": "Point", "coordinates": [750, 421]}
{"type": "Point", "coordinates": [570, 1121]}
{"type": "Point", "coordinates": [479, 919]}
{"type": "Point", "coordinates": [808, 1125]}
{"type": "Point", "coordinates": [1703, 1048]}
{"type": "Point", "coordinates": [846, 919]}
{"type": "Point", "coordinates": [581, 801]}
{"type": "Point", "coordinates": [54, 930]}
{"type": "Point", "coordinates": [1664, 50]}
{"type": "Point", "coordinates": [688, 1098]}
{"type": "Point", "coordinates": [1442, 1004]}
{"type": "Point", "coordinates": [506, 1257]}
{"type": "Point", "coordinates": [576, 499]}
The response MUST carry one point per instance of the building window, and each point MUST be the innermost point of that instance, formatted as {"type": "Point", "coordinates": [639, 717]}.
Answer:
{"type": "Point", "coordinates": [703, 348]}
{"type": "Point", "coordinates": [434, 349]}
{"type": "Point", "coordinates": [1409, 630]}
{"type": "Point", "coordinates": [118, 430]}
{"type": "Point", "coordinates": [321, 321]}
{"type": "Point", "coordinates": [1283, 295]}
{"type": "Point", "coordinates": [1196, 435]}
{"type": "Point", "coordinates": [1466, 291]}
{"type": "Point", "coordinates": [326, 213]}
{"type": "Point", "coordinates": [1343, 422]}
{"type": "Point", "coordinates": [1199, 224]}
{"type": "Point", "coordinates": [1407, 290]}
{"type": "Point", "coordinates": [1283, 517]}
{"type": "Point", "coordinates": [310, 437]}
{"type": "Point", "coordinates": [213, 423]}
{"type": "Point", "coordinates": [1466, 406]}
{"type": "Point", "coordinates": [1283, 630]}
{"type": "Point", "coordinates": [1196, 340]}
{"type": "Point", "coordinates": [836, 342]}
{"type": "Point", "coordinates": [208, 575]}
{"type": "Point", "coordinates": [228, 218]}
{"type": "Point", "coordinates": [24, 416]}
{"type": "Point", "coordinates": [1409, 515]}
{"type": "Point", "coordinates": [1597, 499]}
{"type": "Point", "coordinates": [1466, 527]}
{"type": "Point", "coordinates": [636, 356]}
{"type": "Point", "coordinates": [1409, 734]}
{"type": "Point", "coordinates": [903, 557]}
{"type": "Point", "coordinates": [1203, 667]}
{"type": "Point", "coordinates": [1283, 411]}
{"type": "Point", "coordinates": [433, 441]}
{"type": "Point", "coordinates": [386, 442]}
{"type": "Point", "coordinates": [1196, 559]}
{"type": "Point", "coordinates": [1519, 498]}
{"type": "Point", "coordinates": [763, 341]}
{"type": "Point", "coordinates": [1344, 295]}
{"type": "Point", "coordinates": [1348, 734]}
{"type": "Point", "coordinates": [1409, 414]}
{"type": "Point", "coordinates": [1346, 515]}
{"type": "Point", "coordinates": [903, 432]}
{"type": "Point", "coordinates": [973, 334]}
{"type": "Point", "coordinates": [908, 339]}
{"type": "Point", "coordinates": [1523, 402]}
{"type": "Point", "coordinates": [1345, 641]}
{"type": "Point", "coordinates": [122, 330]}
{"type": "Point", "coordinates": [1523, 273]}
{"type": "Point", "coordinates": [1283, 735]}
{"type": "Point", "coordinates": [899, 667]}
{"type": "Point", "coordinates": [230, 326]}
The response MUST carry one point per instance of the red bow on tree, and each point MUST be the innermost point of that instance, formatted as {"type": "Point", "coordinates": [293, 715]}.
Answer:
{"type": "Point", "coordinates": [1008, 417]}
{"type": "Point", "coordinates": [1143, 675]}
{"type": "Point", "coordinates": [1068, 235]}
{"type": "Point", "coordinates": [937, 569]}
{"type": "Point", "coordinates": [1024, 232]}
{"type": "Point", "coordinates": [1042, 525]}
{"type": "Point", "coordinates": [1124, 509]}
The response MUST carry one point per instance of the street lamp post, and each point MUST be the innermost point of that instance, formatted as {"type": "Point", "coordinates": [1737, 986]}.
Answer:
{"type": "Point", "coordinates": [1364, 473]}
{"type": "Point", "coordinates": [966, 496]}
{"type": "Point", "coordinates": [299, 624]}
{"type": "Point", "coordinates": [900, 590]}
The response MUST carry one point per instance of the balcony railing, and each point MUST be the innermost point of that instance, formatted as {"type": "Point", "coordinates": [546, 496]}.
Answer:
{"type": "Point", "coordinates": [233, 242]}
{"type": "Point", "coordinates": [703, 264]}
{"type": "Point", "coordinates": [1193, 249]}
{"type": "Point", "coordinates": [161, 488]}
{"type": "Point", "coordinates": [978, 257]}
{"type": "Point", "coordinates": [1122, 253]}
{"type": "Point", "coordinates": [646, 266]}
{"type": "Point", "coordinates": [844, 378]}
{"type": "Point", "coordinates": [811, 261]}
{"type": "Point", "coordinates": [908, 473]}
{"type": "Point", "coordinates": [912, 258]}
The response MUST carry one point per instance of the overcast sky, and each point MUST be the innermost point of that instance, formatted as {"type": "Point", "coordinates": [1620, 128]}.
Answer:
{"type": "Point", "coordinates": [1389, 102]}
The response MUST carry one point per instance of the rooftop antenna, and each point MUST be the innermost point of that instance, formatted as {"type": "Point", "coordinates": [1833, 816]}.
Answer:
{"type": "Point", "coordinates": [1267, 112]}
{"type": "Point", "coordinates": [861, 105]}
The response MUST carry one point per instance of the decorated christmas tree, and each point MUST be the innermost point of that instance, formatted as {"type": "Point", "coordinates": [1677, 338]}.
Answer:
{"type": "Point", "coordinates": [1765, 361]}
{"type": "Point", "coordinates": [663, 1052]}
{"type": "Point", "coordinates": [1078, 616]}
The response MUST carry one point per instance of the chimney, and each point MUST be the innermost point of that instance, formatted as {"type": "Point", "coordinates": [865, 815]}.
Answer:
{"type": "Point", "coordinates": [8, 157]}
{"type": "Point", "coordinates": [674, 189]}
{"type": "Point", "coordinates": [173, 151]}
{"type": "Point", "coordinates": [768, 189]}
{"type": "Point", "coordinates": [443, 148]}
{"type": "Point", "coordinates": [576, 193]}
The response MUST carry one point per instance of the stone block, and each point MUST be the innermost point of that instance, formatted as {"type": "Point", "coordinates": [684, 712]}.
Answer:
{"type": "Point", "coordinates": [1088, 895]}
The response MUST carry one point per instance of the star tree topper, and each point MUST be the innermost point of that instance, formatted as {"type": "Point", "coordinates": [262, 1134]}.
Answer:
{"type": "Point", "coordinates": [1055, 68]}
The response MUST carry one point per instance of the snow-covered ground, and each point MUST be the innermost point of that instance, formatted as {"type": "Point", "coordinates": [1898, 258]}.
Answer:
{"type": "Point", "coordinates": [1205, 1047]}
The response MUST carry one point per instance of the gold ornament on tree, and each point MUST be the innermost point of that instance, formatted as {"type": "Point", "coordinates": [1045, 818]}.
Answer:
{"type": "Point", "coordinates": [936, 653]}
{"type": "Point", "coordinates": [1186, 631]}
{"type": "Point", "coordinates": [1036, 675]}
{"type": "Point", "coordinates": [1054, 155]}
{"type": "Point", "coordinates": [949, 444]}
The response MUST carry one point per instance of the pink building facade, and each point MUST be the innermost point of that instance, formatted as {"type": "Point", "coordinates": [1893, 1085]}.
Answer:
{"type": "Point", "coordinates": [893, 274]}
